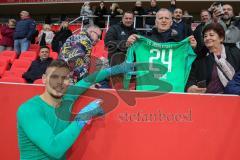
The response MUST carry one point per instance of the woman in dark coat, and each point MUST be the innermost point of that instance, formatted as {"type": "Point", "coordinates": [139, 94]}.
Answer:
{"type": "Point", "coordinates": [115, 11]}
{"type": "Point", "coordinates": [211, 73]}
{"type": "Point", "coordinates": [61, 36]}
{"type": "Point", "coordinates": [138, 10]}
{"type": "Point", "coordinates": [100, 11]}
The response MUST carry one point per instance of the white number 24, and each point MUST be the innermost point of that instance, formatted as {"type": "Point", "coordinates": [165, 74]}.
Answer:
{"type": "Point", "coordinates": [161, 55]}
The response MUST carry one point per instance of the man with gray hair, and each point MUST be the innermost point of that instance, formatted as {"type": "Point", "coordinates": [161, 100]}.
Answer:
{"type": "Point", "coordinates": [163, 31]}
{"type": "Point", "coordinates": [77, 49]}
{"type": "Point", "coordinates": [25, 28]}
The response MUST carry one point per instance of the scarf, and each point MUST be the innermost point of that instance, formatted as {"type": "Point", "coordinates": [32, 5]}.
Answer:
{"type": "Point", "coordinates": [225, 67]}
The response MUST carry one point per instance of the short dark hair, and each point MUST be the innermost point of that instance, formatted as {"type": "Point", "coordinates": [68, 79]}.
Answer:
{"type": "Point", "coordinates": [216, 27]}
{"type": "Point", "coordinates": [128, 12]}
{"type": "Point", "coordinates": [178, 8]}
{"type": "Point", "coordinates": [44, 46]}
{"type": "Point", "coordinates": [59, 64]}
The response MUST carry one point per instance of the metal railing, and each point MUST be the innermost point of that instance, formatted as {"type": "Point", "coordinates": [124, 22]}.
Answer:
{"type": "Point", "coordinates": [108, 17]}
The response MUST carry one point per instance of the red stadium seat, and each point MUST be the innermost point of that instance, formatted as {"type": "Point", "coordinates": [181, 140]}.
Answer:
{"type": "Point", "coordinates": [29, 55]}
{"type": "Point", "coordinates": [10, 55]}
{"type": "Point", "coordinates": [4, 58]}
{"type": "Point", "coordinates": [3, 66]}
{"type": "Point", "coordinates": [21, 64]}
{"type": "Point", "coordinates": [13, 79]}
{"type": "Point", "coordinates": [14, 73]}
{"type": "Point", "coordinates": [53, 55]}
{"type": "Point", "coordinates": [99, 50]}
{"type": "Point", "coordinates": [39, 27]}
{"type": "Point", "coordinates": [55, 27]}
{"type": "Point", "coordinates": [74, 27]}
{"type": "Point", "coordinates": [38, 81]}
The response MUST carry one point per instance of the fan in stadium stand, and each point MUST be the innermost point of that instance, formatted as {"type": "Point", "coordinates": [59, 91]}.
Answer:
{"type": "Point", "coordinates": [76, 52]}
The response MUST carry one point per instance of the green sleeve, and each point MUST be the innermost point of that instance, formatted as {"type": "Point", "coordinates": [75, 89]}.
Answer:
{"type": "Point", "coordinates": [41, 134]}
{"type": "Point", "coordinates": [73, 92]}
{"type": "Point", "coordinates": [129, 58]}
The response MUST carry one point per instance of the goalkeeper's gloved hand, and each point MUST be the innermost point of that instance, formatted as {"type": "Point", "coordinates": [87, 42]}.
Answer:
{"type": "Point", "coordinates": [89, 111]}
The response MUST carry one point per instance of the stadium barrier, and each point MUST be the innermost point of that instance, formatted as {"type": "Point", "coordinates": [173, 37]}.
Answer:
{"type": "Point", "coordinates": [140, 125]}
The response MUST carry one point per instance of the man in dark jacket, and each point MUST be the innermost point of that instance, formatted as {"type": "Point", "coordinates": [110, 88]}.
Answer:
{"type": "Point", "coordinates": [205, 18]}
{"type": "Point", "coordinates": [233, 86]}
{"type": "Point", "coordinates": [183, 29]}
{"type": "Point", "coordinates": [116, 38]}
{"type": "Point", "coordinates": [25, 28]}
{"type": "Point", "coordinates": [39, 66]}
{"type": "Point", "coordinates": [115, 41]}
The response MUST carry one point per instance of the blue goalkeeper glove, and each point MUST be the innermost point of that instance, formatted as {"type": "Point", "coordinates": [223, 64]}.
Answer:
{"type": "Point", "coordinates": [89, 111]}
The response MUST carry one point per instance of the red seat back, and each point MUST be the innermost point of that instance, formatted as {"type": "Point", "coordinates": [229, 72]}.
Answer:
{"type": "Point", "coordinates": [10, 55]}
{"type": "Point", "coordinates": [3, 66]}
{"type": "Point", "coordinates": [29, 55]}
{"type": "Point", "coordinates": [16, 72]}
{"type": "Point", "coordinates": [21, 64]}
{"type": "Point", "coordinates": [13, 79]}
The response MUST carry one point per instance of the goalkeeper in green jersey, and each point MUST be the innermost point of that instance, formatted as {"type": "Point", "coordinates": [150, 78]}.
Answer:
{"type": "Point", "coordinates": [42, 133]}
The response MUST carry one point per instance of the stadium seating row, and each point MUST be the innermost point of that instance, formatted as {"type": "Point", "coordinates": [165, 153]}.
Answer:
{"type": "Point", "coordinates": [12, 67]}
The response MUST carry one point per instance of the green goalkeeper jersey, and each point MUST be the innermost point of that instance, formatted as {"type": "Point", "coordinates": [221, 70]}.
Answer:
{"type": "Point", "coordinates": [161, 67]}
{"type": "Point", "coordinates": [46, 132]}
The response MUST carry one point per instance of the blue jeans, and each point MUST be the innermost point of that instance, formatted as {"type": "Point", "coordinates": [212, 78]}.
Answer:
{"type": "Point", "coordinates": [21, 45]}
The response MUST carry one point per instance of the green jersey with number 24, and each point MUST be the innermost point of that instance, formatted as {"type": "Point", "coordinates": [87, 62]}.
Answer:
{"type": "Point", "coordinates": [161, 67]}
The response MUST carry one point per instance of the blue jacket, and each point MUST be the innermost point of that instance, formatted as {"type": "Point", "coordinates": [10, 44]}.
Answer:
{"type": "Point", "coordinates": [233, 86]}
{"type": "Point", "coordinates": [25, 28]}
{"type": "Point", "coordinates": [183, 29]}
